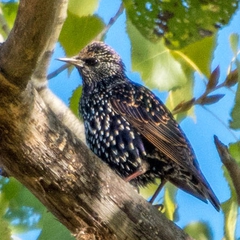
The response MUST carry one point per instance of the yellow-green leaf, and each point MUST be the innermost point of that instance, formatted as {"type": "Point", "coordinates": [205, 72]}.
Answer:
{"type": "Point", "coordinates": [77, 32]}
{"type": "Point", "coordinates": [234, 41]}
{"type": "Point", "coordinates": [82, 7]}
{"type": "Point", "coordinates": [53, 229]}
{"type": "Point", "coordinates": [155, 63]}
{"type": "Point", "coordinates": [179, 23]}
{"type": "Point", "coordinates": [235, 114]}
{"type": "Point", "coordinates": [169, 201]}
{"type": "Point", "coordinates": [230, 211]}
{"type": "Point", "coordinates": [74, 100]}
{"type": "Point", "coordinates": [5, 230]}
{"type": "Point", "coordinates": [199, 231]}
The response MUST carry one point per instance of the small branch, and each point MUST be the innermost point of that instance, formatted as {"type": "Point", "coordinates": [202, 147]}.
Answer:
{"type": "Point", "coordinates": [222, 122]}
{"type": "Point", "coordinates": [230, 164]}
{"type": "Point", "coordinates": [110, 23]}
{"type": "Point", "coordinates": [57, 71]}
{"type": "Point", "coordinates": [29, 37]}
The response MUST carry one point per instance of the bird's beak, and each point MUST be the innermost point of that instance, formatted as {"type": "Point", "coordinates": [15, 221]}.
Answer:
{"type": "Point", "coordinates": [73, 61]}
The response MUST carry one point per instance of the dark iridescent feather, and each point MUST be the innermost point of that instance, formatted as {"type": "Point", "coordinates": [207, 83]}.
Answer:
{"type": "Point", "coordinates": [128, 127]}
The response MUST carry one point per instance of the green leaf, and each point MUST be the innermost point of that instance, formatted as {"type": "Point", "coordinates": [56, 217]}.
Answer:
{"type": "Point", "coordinates": [83, 7]}
{"type": "Point", "coordinates": [199, 231]}
{"type": "Point", "coordinates": [148, 191]}
{"type": "Point", "coordinates": [179, 95]}
{"type": "Point", "coordinates": [198, 56]}
{"type": "Point", "coordinates": [234, 41]}
{"type": "Point", "coordinates": [179, 23]}
{"type": "Point", "coordinates": [235, 114]}
{"type": "Point", "coordinates": [234, 150]}
{"type": "Point", "coordinates": [9, 10]}
{"type": "Point", "coordinates": [52, 229]}
{"type": "Point", "coordinates": [23, 209]}
{"type": "Point", "coordinates": [77, 32]}
{"type": "Point", "coordinates": [74, 100]}
{"type": "Point", "coordinates": [230, 207]}
{"type": "Point", "coordinates": [230, 211]}
{"type": "Point", "coordinates": [5, 230]}
{"type": "Point", "coordinates": [195, 57]}
{"type": "Point", "coordinates": [169, 201]}
{"type": "Point", "coordinates": [155, 63]}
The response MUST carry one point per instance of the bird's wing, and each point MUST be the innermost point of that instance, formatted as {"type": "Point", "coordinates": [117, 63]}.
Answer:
{"type": "Point", "coordinates": [143, 110]}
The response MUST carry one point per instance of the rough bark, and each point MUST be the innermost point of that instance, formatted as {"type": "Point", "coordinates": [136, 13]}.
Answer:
{"type": "Point", "coordinates": [46, 156]}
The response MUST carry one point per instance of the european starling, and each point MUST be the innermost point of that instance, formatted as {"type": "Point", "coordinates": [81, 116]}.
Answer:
{"type": "Point", "coordinates": [130, 129]}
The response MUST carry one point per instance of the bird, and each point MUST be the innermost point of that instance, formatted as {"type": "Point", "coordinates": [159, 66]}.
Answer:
{"type": "Point", "coordinates": [129, 127]}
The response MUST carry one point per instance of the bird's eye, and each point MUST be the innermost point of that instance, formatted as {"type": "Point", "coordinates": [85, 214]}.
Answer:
{"type": "Point", "coordinates": [91, 61]}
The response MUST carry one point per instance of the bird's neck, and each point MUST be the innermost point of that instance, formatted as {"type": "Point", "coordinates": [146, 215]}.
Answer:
{"type": "Point", "coordinates": [102, 85]}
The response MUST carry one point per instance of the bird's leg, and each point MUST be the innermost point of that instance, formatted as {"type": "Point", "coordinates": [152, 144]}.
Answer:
{"type": "Point", "coordinates": [134, 175]}
{"type": "Point", "coordinates": [163, 181]}
{"type": "Point", "coordinates": [144, 167]}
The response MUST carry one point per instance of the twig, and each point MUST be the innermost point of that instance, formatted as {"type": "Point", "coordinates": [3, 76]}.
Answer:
{"type": "Point", "coordinates": [220, 120]}
{"type": "Point", "coordinates": [57, 71]}
{"type": "Point", "coordinates": [110, 23]}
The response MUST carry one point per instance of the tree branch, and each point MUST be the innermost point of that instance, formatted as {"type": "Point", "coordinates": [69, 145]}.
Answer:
{"type": "Point", "coordinates": [77, 187]}
{"type": "Point", "coordinates": [26, 42]}
{"type": "Point", "coordinates": [44, 155]}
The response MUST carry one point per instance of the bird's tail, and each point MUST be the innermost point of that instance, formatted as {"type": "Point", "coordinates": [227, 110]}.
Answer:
{"type": "Point", "coordinates": [196, 186]}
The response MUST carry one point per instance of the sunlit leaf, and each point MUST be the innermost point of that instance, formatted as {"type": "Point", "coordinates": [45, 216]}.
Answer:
{"type": "Point", "coordinates": [74, 100]}
{"type": "Point", "coordinates": [77, 32]}
{"type": "Point", "coordinates": [148, 191]}
{"type": "Point", "coordinates": [179, 95]}
{"type": "Point", "coordinates": [180, 23]}
{"type": "Point", "coordinates": [9, 10]}
{"type": "Point", "coordinates": [5, 230]}
{"type": "Point", "coordinates": [155, 63]}
{"type": "Point", "coordinates": [53, 229]}
{"type": "Point", "coordinates": [24, 210]}
{"type": "Point", "coordinates": [199, 231]}
{"type": "Point", "coordinates": [230, 207]}
{"type": "Point", "coordinates": [83, 7]}
{"type": "Point", "coordinates": [198, 56]}
{"type": "Point", "coordinates": [234, 41]}
{"type": "Point", "coordinates": [169, 201]}
{"type": "Point", "coordinates": [230, 211]}
{"type": "Point", "coordinates": [234, 150]}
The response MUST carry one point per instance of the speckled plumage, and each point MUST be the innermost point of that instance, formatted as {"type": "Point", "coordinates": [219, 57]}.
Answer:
{"type": "Point", "coordinates": [129, 128]}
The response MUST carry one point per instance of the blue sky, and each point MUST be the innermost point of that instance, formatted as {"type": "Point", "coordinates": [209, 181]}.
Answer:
{"type": "Point", "coordinates": [199, 132]}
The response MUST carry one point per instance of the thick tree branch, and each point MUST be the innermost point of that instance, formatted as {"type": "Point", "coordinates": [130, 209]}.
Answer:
{"type": "Point", "coordinates": [43, 154]}
{"type": "Point", "coordinates": [78, 188]}
{"type": "Point", "coordinates": [26, 42]}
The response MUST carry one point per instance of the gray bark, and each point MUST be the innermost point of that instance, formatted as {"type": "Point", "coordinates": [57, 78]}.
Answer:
{"type": "Point", "coordinates": [38, 147]}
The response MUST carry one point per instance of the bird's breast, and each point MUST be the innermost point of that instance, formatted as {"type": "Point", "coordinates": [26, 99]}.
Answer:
{"type": "Point", "coordinates": [110, 136]}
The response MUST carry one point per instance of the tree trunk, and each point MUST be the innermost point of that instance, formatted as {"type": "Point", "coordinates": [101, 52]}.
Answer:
{"type": "Point", "coordinates": [47, 157]}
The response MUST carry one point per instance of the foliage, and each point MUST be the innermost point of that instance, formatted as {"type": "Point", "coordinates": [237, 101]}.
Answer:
{"type": "Point", "coordinates": [168, 46]}
{"type": "Point", "coordinates": [180, 23]}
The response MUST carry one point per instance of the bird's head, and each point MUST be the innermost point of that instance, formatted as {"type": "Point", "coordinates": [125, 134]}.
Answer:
{"type": "Point", "coordinates": [97, 62]}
